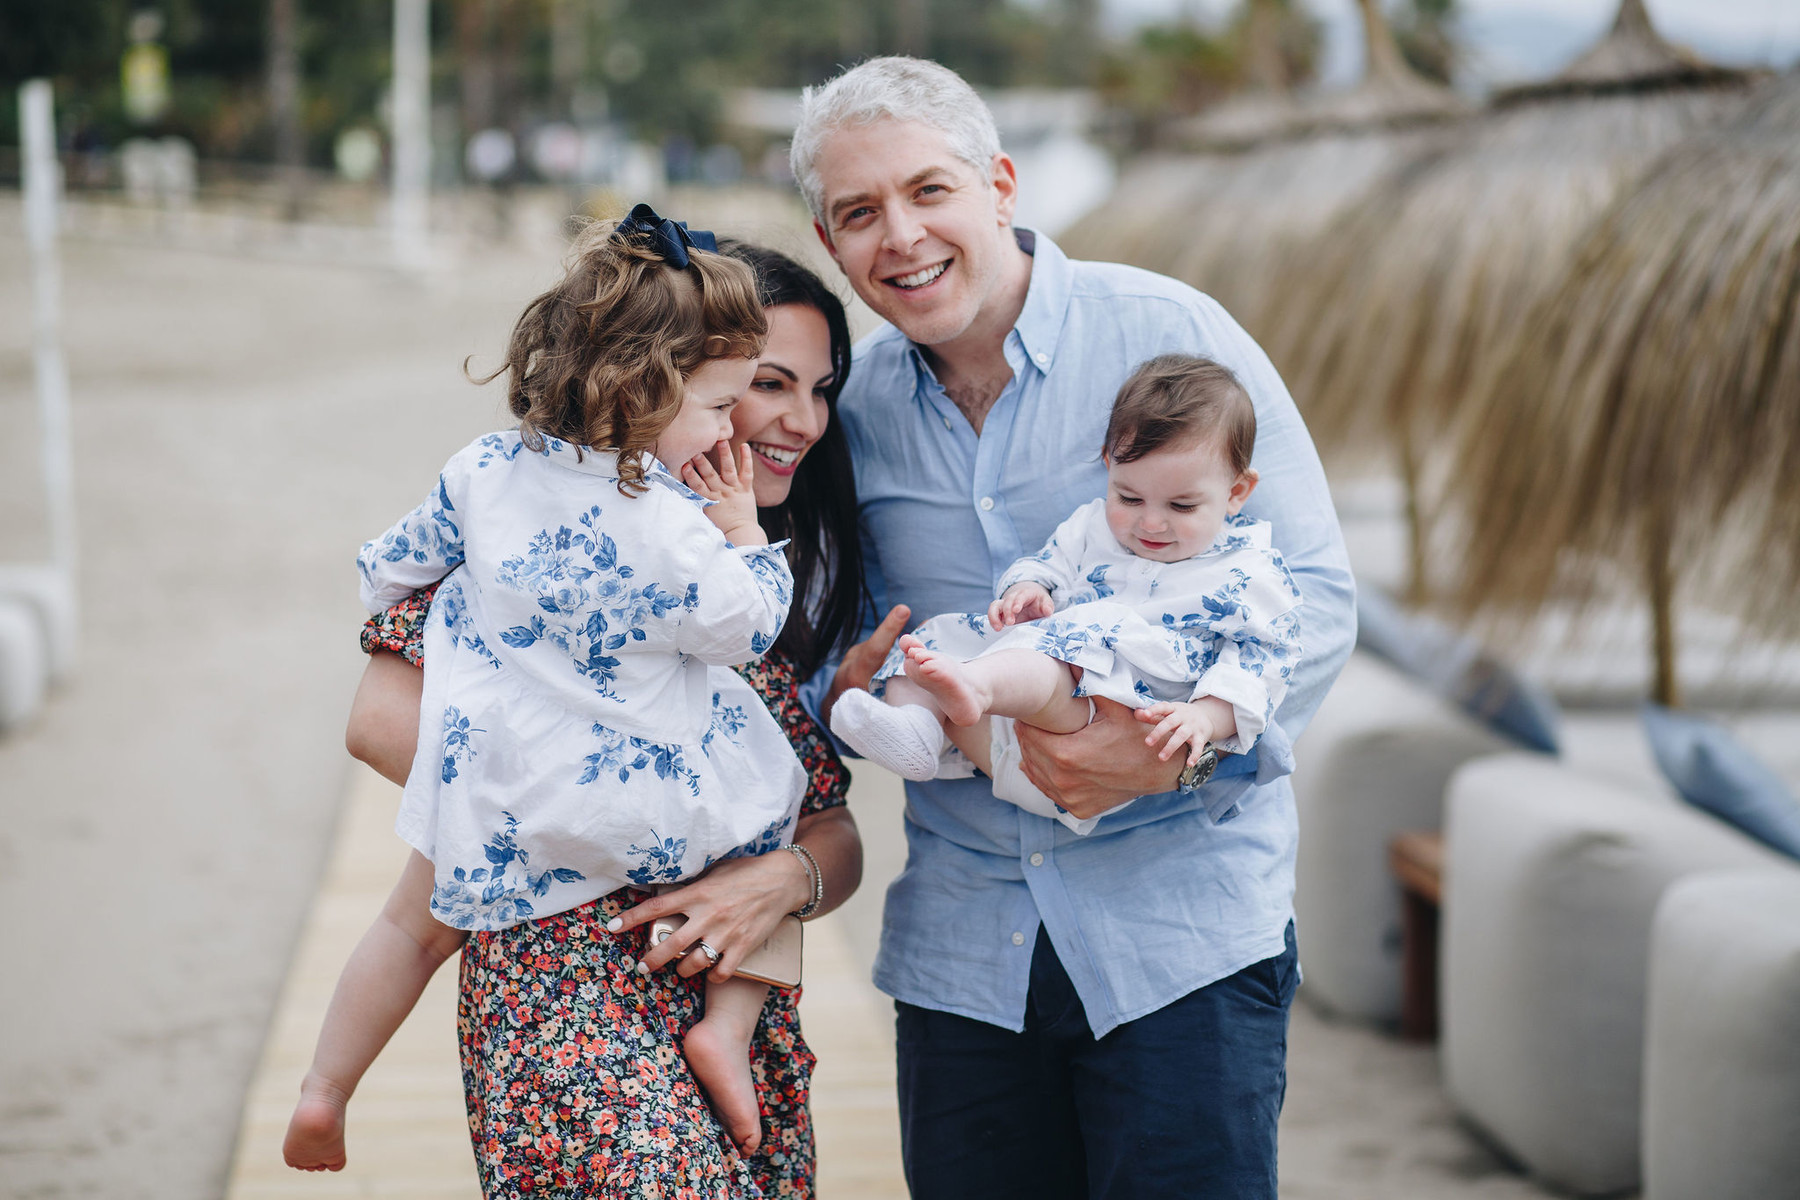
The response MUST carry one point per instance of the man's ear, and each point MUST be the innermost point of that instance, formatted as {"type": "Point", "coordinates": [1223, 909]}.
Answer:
{"type": "Point", "coordinates": [1005, 178]}
{"type": "Point", "coordinates": [825, 241]}
{"type": "Point", "coordinates": [1240, 491]}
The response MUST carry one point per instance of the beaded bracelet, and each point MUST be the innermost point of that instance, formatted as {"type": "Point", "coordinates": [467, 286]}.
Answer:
{"type": "Point", "coordinates": [813, 873]}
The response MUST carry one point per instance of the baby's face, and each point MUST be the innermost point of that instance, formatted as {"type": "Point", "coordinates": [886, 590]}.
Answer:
{"type": "Point", "coordinates": [1171, 503]}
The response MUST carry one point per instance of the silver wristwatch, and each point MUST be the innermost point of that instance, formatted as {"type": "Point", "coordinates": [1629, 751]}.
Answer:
{"type": "Point", "coordinates": [1197, 773]}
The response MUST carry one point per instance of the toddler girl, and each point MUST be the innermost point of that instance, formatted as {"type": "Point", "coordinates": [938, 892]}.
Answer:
{"type": "Point", "coordinates": [579, 730]}
{"type": "Point", "coordinates": [1162, 594]}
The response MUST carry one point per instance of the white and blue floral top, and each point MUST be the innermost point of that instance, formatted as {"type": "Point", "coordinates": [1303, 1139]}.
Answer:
{"type": "Point", "coordinates": [1223, 623]}
{"type": "Point", "coordinates": [580, 729]}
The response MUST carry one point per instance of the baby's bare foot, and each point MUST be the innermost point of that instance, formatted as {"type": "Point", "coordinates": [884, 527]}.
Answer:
{"type": "Point", "coordinates": [950, 683]}
{"type": "Point", "coordinates": [721, 1062]}
{"type": "Point", "coordinates": [315, 1134]}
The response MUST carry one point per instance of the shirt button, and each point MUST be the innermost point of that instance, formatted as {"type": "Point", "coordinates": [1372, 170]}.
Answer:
{"type": "Point", "coordinates": [946, 422]}
{"type": "Point", "coordinates": [987, 504]}
{"type": "Point", "coordinates": [1018, 939]}
{"type": "Point", "coordinates": [1042, 358]}
{"type": "Point", "coordinates": [1037, 860]}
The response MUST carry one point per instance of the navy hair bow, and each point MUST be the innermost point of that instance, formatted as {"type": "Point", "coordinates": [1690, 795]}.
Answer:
{"type": "Point", "coordinates": [670, 239]}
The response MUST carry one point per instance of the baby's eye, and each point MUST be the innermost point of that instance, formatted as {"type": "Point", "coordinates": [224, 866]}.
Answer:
{"type": "Point", "coordinates": [1184, 508]}
{"type": "Point", "coordinates": [1129, 500]}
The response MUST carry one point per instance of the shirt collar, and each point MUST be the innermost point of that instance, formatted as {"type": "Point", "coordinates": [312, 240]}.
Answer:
{"type": "Point", "coordinates": [1040, 322]}
{"type": "Point", "coordinates": [605, 464]}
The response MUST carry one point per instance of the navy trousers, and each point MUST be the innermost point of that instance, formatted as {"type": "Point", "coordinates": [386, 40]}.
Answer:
{"type": "Point", "coordinates": [1183, 1102]}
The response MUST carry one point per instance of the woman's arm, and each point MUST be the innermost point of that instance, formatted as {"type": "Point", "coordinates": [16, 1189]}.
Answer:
{"type": "Point", "coordinates": [384, 718]}
{"type": "Point", "coordinates": [737, 904]}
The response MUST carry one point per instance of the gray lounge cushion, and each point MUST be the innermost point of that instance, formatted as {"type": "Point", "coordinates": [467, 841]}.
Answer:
{"type": "Point", "coordinates": [1456, 667]}
{"type": "Point", "coordinates": [1372, 764]}
{"type": "Point", "coordinates": [1551, 881]}
{"type": "Point", "coordinates": [1711, 770]}
{"type": "Point", "coordinates": [1722, 1039]}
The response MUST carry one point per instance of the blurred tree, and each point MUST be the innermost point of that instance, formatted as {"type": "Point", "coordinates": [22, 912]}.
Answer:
{"type": "Point", "coordinates": [1426, 31]}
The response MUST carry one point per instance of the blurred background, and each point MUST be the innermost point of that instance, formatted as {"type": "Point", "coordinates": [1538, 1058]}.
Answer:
{"type": "Point", "coordinates": [1531, 269]}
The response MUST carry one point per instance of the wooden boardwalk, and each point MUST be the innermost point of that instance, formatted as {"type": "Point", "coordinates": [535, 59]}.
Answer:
{"type": "Point", "coordinates": [408, 1136]}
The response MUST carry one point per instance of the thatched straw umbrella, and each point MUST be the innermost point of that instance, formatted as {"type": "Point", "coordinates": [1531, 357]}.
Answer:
{"type": "Point", "coordinates": [1263, 172]}
{"type": "Point", "coordinates": [1645, 424]}
{"type": "Point", "coordinates": [1401, 300]}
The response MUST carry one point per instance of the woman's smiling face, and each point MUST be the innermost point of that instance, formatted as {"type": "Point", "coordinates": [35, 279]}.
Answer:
{"type": "Point", "coordinates": [784, 410]}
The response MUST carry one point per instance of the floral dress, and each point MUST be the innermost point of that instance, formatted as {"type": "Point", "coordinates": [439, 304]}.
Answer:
{"type": "Point", "coordinates": [572, 1064]}
{"type": "Point", "coordinates": [580, 727]}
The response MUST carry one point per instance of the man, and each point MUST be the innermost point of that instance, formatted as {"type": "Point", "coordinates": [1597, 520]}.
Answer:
{"type": "Point", "coordinates": [1098, 1016]}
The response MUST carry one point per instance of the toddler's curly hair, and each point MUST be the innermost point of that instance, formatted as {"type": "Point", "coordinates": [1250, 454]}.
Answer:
{"type": "Point", "coordinates": [601, 359]}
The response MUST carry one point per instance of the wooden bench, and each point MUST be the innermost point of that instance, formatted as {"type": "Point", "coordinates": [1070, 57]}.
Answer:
{"type": "Point", "coordinates": [1416, 860]}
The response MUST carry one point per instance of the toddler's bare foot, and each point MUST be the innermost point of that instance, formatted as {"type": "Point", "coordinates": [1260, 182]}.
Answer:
{"type": "Point", "coordinates": [720, 1060]}
{"type": "Point", "coordinates": [315, 1135]}
{"type": "Point", "coordinates": [949, 681]}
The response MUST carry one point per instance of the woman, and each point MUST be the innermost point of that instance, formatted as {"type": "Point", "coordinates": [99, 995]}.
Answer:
{"type": "Point", "coordinates": [570, 1030]}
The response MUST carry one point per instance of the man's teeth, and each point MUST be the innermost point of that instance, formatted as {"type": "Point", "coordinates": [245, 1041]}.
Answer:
{"type": "Point", "coordinates": [776, 454]}
{"type": "Point", "coordinates": [921, 278]}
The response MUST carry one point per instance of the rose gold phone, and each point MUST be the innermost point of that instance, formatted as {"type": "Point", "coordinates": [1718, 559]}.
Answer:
{"type": "Point", "coordinates": [776, 961]}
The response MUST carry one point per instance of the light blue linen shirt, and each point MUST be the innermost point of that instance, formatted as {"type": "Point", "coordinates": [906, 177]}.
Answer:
{"type": "Point", "coordinates": [1173, 892]}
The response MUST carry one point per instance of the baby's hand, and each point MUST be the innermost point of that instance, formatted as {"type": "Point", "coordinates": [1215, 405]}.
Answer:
{"type": "Point", "coordinates": [1022, 602]}
{"type": "Point", "coordinates": [733, 486]}
{"type": "Point", "coordinates": [1181, 724]}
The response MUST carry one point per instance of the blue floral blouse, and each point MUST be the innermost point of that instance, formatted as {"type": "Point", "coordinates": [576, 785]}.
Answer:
{"type": "Point", "coordinates": [580, 728]}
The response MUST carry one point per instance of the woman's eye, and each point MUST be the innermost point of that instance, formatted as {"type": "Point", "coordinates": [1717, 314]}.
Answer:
{"type": "Point", "coordinates": [766, 385]}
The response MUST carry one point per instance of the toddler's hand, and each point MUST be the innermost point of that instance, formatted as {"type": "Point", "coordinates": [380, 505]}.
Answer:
{"type": "Point", "coordinates": [1189, 724]}
{"type": "Point", "coordinates": [733, 485]}
{"type": "Point", "coordinates": [1022, 602]}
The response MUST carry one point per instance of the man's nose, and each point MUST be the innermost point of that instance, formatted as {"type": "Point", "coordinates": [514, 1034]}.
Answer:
{"type": "Point", "coordinates": [902, 231]}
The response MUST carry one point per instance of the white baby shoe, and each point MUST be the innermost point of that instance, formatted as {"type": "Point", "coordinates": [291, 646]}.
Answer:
{"type": "Point", "coordinates": [906, 739]}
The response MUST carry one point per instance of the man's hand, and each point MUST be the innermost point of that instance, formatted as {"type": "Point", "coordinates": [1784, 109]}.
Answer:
{"type": "Point", "coordinates": [862, 660]}
{"type": "Point", "coordinates": [1022, 602]}
{"type": "Point", "coordinates": [733, 486]}
{"type": "Point", "coordinates": [1096, 769]}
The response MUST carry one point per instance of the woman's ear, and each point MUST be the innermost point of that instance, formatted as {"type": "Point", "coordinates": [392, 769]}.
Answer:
{"type": "Point", "coordinates": [1240, 491]}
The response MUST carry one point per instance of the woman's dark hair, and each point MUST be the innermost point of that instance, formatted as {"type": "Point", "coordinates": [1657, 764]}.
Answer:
{"type": "Point", "coordinates": [819, 514]}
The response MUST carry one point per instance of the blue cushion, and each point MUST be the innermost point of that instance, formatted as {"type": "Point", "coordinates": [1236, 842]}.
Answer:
{"type": "Point", "coordinates": [1455, 666]}
{"type": "Point", "coordinates": [1712, 771]}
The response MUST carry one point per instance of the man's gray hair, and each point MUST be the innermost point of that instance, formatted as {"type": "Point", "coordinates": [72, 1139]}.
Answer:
{"type": "Point", "coordinates": [899, 89]}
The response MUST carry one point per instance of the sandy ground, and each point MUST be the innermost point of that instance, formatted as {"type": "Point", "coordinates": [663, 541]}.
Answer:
{"type": "Point", "coordinates": [162, 825]}
{"type": "Point", "coordinates": [242, 424]}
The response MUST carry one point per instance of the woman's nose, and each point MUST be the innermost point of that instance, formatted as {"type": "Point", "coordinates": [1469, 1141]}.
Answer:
{"type": "Point", "coordinates": [804, 419]}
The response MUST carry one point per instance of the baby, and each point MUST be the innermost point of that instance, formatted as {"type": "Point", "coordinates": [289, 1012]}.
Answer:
{"type": "Point", "coordinates": [1160, 596]}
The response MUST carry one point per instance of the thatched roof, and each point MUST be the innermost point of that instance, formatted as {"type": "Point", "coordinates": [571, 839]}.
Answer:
{"type": "Point", "coordinates": [1273, 172]}
{"type": "Point", "coordinates": [1644, 426]}
{"type": "Point", "coordinates": [1390, 94]}
{"type": "Point", "coordinates": [1631, 57]}
{"type": "Point", "coordinates": [1424, 280]}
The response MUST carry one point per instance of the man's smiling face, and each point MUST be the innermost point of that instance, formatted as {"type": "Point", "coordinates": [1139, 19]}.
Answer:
{"type": "Point", "coordinates": [920, 234]}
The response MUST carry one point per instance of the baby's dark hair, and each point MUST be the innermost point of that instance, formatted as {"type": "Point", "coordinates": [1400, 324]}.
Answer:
{"type": "Point", "coordinates": [602, 358]}
{"type": "Point", "coordinates": [1178, 399]}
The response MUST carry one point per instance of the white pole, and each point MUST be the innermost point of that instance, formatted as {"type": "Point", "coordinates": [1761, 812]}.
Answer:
{"type": "Point", "coordinates": [412, 132]}
{"type": "Point", "coordinates": [43, 183]}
